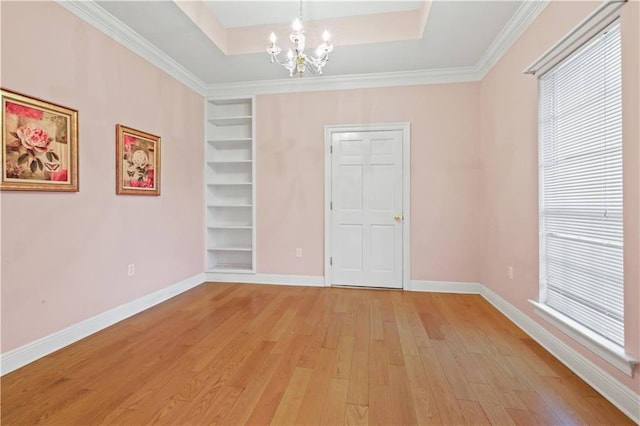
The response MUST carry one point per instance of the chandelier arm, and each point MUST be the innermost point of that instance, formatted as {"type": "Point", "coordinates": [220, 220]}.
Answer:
{"type": "Point", "coordinates": [318, 62]}
{"type": "Point", "coordinates": [315, 67]}
{"type": "Point", "coordinates": [287, 63]}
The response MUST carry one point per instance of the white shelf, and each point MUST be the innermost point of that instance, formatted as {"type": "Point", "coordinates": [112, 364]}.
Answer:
{"type": "Point", "coordinates": [230, 162]}
{"type": "Point", "coordinates": [230, 183]}
{"type": "Point", "coordinates": [229, 190]}
{"type": "Point", "coordinates": [234, 268]}
{"type": "Point", "coordinates": [230, 140]}
{"type": "Point", "coordinates": [231, 121]}
{"type": "Point", "coordinates": [232, 101]}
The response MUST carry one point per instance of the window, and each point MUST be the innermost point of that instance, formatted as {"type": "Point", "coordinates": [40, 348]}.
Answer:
{"type": "Point", "coordinates": [581, 229]}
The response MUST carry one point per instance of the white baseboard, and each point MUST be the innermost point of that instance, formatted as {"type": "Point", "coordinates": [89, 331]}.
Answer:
{"type": "Point", "coordinates": [444, 287]}
{"type": "Point", "coordinates": [612, 389]}
{"type": "Point", "coordinates": [16, 358]}
{"type": "Point", "coordinates": [301, 280]}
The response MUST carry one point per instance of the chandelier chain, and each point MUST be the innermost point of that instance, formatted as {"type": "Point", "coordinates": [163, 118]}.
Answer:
{"type": "Point", "coordinates": [300, 13]}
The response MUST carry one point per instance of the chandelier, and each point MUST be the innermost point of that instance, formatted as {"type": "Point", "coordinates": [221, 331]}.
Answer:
{"type": "Point", "coordinates": [299, 62]}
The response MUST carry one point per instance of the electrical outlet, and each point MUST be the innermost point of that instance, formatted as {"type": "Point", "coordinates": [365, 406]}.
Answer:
{"type": "Point", "coordinates": [131, 269]}
{"type": "Point", "coordinates": [298, 252]}
{"type": "Point", "coordinates": [510, 272]}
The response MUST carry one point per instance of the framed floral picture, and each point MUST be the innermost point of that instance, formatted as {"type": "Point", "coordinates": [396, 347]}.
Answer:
{"type": "Point", "coordinates": [39, 145]}
{"type": "Point", "coordinates": [137, 162]}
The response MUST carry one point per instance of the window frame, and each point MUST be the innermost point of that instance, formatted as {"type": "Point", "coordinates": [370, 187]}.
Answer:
{"type": "Point", "coordinates": [613, 353]}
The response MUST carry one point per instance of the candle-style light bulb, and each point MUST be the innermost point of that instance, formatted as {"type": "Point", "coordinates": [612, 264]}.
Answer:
{"type": "Point", "coordinates": [297, 25]}
{"type": "Point", "coordinates": [290, 54]}
{"type": "Point", "coordinates": [326, 36]}
{"type": "Point", "coordinates": [272, 38]}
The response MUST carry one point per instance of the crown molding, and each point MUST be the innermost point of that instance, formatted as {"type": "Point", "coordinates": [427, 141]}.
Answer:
{"type": "Point", "coordinates": [524, 16]}
{"type": "Point", "coordinates": [344, 82]}
{"type": "Point", "coordinates": [90, 12]}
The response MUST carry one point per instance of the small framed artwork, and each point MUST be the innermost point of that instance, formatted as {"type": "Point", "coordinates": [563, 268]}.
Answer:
{"type": "Point", "coordinates": [39, 145]}
{"type": "Point", "coordinates": [137, 162]}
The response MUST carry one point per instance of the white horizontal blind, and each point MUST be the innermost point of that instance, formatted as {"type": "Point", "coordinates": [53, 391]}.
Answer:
{"type": "Point", "coordinates": [581, 234]}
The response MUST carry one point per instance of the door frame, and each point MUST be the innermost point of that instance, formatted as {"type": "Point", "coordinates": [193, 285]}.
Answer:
{"type": "Point", "coordinates": [405, 128]}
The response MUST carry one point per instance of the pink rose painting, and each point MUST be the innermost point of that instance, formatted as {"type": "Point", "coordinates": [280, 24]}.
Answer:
{"type": "Point", "coordinates": [39, 144]}
{"type": "Point", "coordinates": [137, 161]}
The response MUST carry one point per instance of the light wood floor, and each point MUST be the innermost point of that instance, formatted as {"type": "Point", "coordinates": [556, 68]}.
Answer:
{"type": "Point", "coordinates": [232, 354]}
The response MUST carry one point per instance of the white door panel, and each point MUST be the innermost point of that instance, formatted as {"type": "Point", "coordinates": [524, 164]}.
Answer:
{"type": "Point", "coordinates": [366, 185]}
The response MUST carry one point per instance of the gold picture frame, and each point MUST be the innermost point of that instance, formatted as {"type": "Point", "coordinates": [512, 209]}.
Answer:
{"type": "Point", "coordinates": [137, 162]}
{"type": "Point", "coordinates": [39, 145]}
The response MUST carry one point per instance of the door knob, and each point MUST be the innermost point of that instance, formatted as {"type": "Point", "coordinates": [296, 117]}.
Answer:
{"type": "Point", "coordinates": [398, 218]}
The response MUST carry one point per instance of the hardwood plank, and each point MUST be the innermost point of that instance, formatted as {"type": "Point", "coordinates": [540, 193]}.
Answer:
{"type": "Point", "coordinates": [278, 384]}
{"type": "Point", "coordinates": [423, 403]}
{"type": "Point", "coordinates": [349, 322]}
{"type": "Point", "coordinates": [522, 417]}
{"type": "Point", "coordinates": [423, 399]}
{"type": "Point", "coordinates": [403, 411]}
{"type": "Point", "coordinates": [546, 410]}
{"type": "Point", "coordinates": [420, 335]}
{"type": "Point", "coordinates": [251, 394]}
{"type": "Point", "coordinates": [447, 404]}
{"type": "Point", "coordinates": [497, 373]}
{"type": "Point", "coordinates": [380, 405]}
{"type": "Point", "coordinates": [287, 411]}
{"type": "Point", "coordinates": [363, 327]}
{"type": "Point", "coordinates": [356, 415]}
{"type": "Point", "coordinates": [312, 349]}
{"type": "Point", "coordinates": [336, 402]}
{"type": "Point", "coordinates": [392, 343]}
{"type": "Point", "coordinates": [473, 413]}
{"type": "Point", "coordinates": [332, 335]}
{"type": "Point", "coordinates": [310, 410]}
{"type": "Point", "coordinates": [376, 328]}
{"type": "Point", "coordinates": [358, 393]}
{"type": "Point", "coordinates": [467, 361]}
{"type": "Point", "coordinates": [378, 363]}
{"type": "Point", "coordinates": [342, 367]}
{"type": "Point", "coordinates": [245, 374]}
{"type": "Point", "coordinates": [604, 411]}
{"type": "Point", "coordinates": [405, 334]}
{"type": "Point", "coordinates": [490, 404]}
{"type": "Point", "coordinates": [215, 410]}
{"type": "Point", "coordinates": [455, 376]}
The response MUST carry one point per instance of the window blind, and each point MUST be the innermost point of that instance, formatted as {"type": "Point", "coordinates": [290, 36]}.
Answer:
{"type": "Point", "coordinates": [581, 229]}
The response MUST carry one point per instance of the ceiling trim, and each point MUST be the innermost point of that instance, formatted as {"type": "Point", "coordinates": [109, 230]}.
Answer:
{"type": "Point", "coordinates": [90, 12]}
{"type": "Point", "coordinates": [524, 16]}
{"type": "Point", "coordinates": [344, 82]}
{"type": "Point", "coordinates": [99, 18]}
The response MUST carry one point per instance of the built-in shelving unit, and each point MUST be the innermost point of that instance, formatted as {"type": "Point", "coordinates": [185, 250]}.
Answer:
{"type": "Point", "coordinates": [230, 186]}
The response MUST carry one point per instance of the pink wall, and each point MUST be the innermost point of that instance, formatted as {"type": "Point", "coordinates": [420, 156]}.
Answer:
{"type": "Point", "coordinates": [65, 255]}
{"type": "Point", "coordinates": [445, 175]}
{"type": "Point", "coordinates": [510, 176]}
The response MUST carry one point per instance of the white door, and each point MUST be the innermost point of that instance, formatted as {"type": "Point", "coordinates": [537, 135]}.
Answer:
{"type": "Point", "coordinates": [366, 208]}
